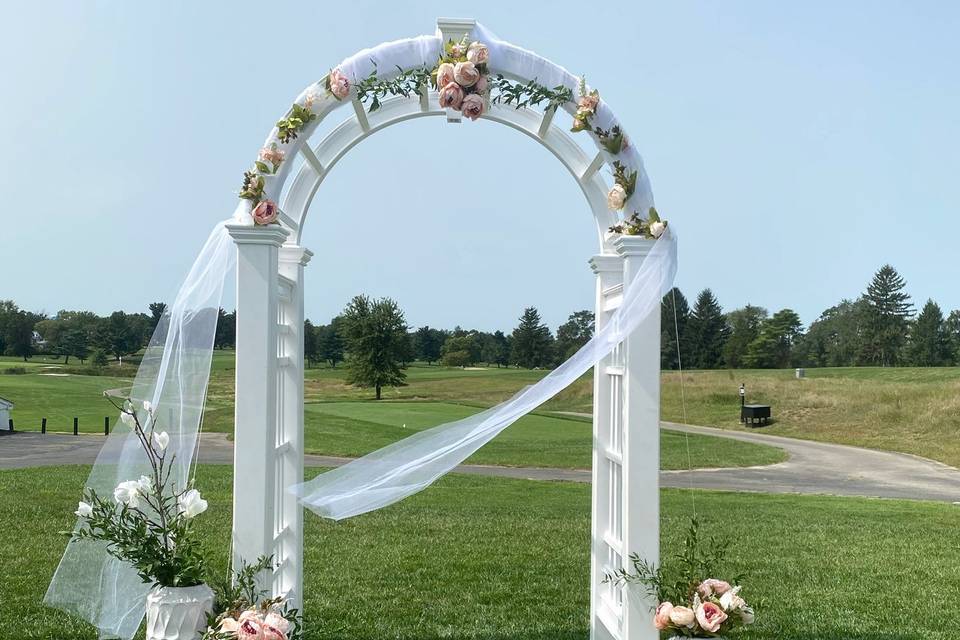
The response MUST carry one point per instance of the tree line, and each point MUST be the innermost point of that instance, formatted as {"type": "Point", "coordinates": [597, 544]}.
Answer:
{"type": "Point", "coordinates": [879, 328]}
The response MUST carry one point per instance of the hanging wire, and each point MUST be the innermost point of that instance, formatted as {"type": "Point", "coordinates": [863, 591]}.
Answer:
{"type": "Point", "coordinates": [683, 402]}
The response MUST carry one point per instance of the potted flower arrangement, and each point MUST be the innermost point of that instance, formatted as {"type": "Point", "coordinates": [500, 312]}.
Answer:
{"type": "Point", "coordinates": [243, 612]}
{"type": "Point", "coordinates": [149, 524]}
{"type": "Point", "coordinates": [691, 602]}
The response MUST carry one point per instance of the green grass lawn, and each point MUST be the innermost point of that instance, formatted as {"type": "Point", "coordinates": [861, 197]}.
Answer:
{"type": "Point", "coordinates": [356, 428]}
{"type": "Point", "coordinates": [485, 558]}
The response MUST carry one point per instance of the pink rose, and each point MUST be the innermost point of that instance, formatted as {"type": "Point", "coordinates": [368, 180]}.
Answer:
{"type": "Point", "coordinates": [710, 617]}
{"type": "Point", "coordinates": [481, 85]}
{"type": "Point", "coordinates": [266, 212]}
{"type": "Point", "coordinates": [339, 85]}
{"type": "Point", "coordinates": [276, 621]}
{"type": "Point", "coordinates": [466, 74]}
{"type": "Point", "coordinates": [661, 619]}
{"type": "Point", "coordinates": [451, 95]}
{"type": "Point", "coordinates": [683, 617]}
{"type": "Point", "coordinates": [445, 74]}
{"type": "Point", "coordinates": [712, 586]}
{"type": "Point", "coordinates": [477, 53]}
{"type": "Point", "coordinates": [272, 155]}
{"type": "Point", "coordinates": [229, 625]}
{"type": "Point", "coordinates": [473, 106]}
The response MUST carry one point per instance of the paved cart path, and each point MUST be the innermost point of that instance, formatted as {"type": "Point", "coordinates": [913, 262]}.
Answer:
{"type": "Point", "coordinates": [812, 468]}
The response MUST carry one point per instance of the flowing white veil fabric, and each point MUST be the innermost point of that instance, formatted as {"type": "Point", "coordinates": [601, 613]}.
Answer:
{"type": "Point", "coordinates": [173, 375]}
{"type": "Point", "coordinates": [410, 465]}
{"type": "Point", "coordinates": [175, 370]}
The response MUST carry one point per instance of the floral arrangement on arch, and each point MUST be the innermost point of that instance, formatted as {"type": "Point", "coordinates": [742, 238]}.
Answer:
{"type": "Point", "coordinates": [460, 77]}
{"type": "Point", "coordinates": [691, 603]}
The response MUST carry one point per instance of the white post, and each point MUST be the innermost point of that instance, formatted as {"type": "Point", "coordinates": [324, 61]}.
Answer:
{"type": "Point", "coordinates": [256, 391]}
{"type": "Point", "coordinates": [289, 578]}
{"type": "Point", "coordinates": [605, 537]}
{"type": "Point", "coordinates": [641, 443]}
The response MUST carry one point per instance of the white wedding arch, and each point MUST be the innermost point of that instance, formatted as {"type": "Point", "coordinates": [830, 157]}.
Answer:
{"type": "Point", "coordinates": [268, 520]}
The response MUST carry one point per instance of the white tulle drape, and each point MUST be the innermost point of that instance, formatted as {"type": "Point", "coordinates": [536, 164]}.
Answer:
{"type": "Point", "coordinates": [410, 465]}
{"type": "Point", "coordinates": [175, 370]}
{"type": "Point", "coordinates": [173, 375]}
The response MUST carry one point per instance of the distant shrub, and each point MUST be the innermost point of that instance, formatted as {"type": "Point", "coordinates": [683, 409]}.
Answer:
{"type": "Point", "coordinates": [15, 371]}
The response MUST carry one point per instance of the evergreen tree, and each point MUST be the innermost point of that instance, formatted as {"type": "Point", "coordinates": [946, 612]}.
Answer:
{"type": "Point", "coordinates": [532, 342]}
{"type": "Point", "coordinates": [497, 349]}
{"type": "Point", "coordinates": [674, 331]}
{"type": "Point", "coordinates": [330, 341]}
{"type": "Point", "coordinates": [888, 312]}
{"type": "Point", "coordinates": [573, 334]}
{"type": "Point", "coordinates": [157, 309]}
{"type": "Point", "coordinates": [929, 342]}
{"type": "Point", "coordinates": [428, 343]}
{"type": "Point", "coordinates": [773, 346]}
{"type": "Point", "coordinates": [226, 333]}
{"type": "Point", "coordinates": [311, 346]}
{"type": "Point", "coordinates": [952, 329]}
{"type": "Point", "coordinates": [708, 332]}
{"type": "Point", "coordinates": [744, 326]}
{"type": "Point", "coordinates": [376, 336]}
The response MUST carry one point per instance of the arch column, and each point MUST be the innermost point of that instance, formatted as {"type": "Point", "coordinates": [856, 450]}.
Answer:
{"type": "Point", "coordinates": [255, 417]}
{"type": "Point", "coordinates": [626, 453]}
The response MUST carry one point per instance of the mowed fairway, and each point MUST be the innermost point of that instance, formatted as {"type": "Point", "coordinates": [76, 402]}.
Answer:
{"type": "Point", "coordinates": [356, 428]}
{"type": "Point", "coordinates": [471, 555]}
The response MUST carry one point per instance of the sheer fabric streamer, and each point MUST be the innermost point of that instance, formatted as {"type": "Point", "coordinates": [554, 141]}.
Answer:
{"type": "Point", "coordinates": [412, 464]}
{"type": "Point", "coordinates": [173, 375]}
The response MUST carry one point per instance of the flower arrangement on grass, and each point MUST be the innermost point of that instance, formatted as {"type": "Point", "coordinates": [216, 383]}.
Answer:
{"type": "Point", "coordinates": [243, 612]}
{"type": "Point", "coordinates": [148, 522]}
{"type": "Point", "coordinates": [690, 603]}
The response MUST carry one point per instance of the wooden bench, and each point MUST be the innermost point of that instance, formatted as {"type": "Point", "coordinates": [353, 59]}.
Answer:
{"type": "Point", "coordinates": [755, 413]}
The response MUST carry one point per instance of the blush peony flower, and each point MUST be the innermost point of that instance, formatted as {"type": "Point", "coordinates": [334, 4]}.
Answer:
{"type": "Point", "coordinates": [616, 198]}
{"type": "Point", "coordinates": [445, 74]}
{"type": "Point", "coordinates": [272, 155]}
{"type": "Point", "coordinates": [656, 230]}
{"type": "Point", "coordinates": [661, 619]}
{"type": "Point", "coordinates": [272, 633]}
{"type": "Point", "coordinates": [466, 74]}
{"type": "Point", "coordinates": [683, 617]}
{"type": "Point", "coordinates": [339, 85]}
{"type": "Point", "coordinates": [730, 600]}
{"type": "Point", "coordinates": [477, 53]}
{"type": "Point", "coordinates": [712, 586]}
{"type": "Point", "coordinates": [473, 106]}
{"type": "Point", "coordinates": [266, 212]}
{"type": "Point", "coordinates": [710, 617]}
{"type": "Point", "coordinates": [249, 629]}
{"type": "Point", "coordinates": [229, 625]}
{"type": "Point", "coordinates": [84, 510]}
{"type": "Point", "coordinates": [481, 85]}
{"type": "Point", "coordinates": [276, 621]}
{"type": "Point", "coordinates": [451, 96]}
{"type": "Point", "coordinates": [589, 102]}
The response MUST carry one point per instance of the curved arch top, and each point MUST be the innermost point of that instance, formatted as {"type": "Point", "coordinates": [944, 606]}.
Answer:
{"type": "Point", "coordinates": [507, 59]}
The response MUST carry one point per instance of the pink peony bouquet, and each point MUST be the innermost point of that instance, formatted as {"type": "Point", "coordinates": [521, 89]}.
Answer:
{"type": "Point", "coordinates": [242, 611]}
{"type": "Point", "coordinates": [460, 77]}
{"type": "Point", "coordinates": [715, 609]}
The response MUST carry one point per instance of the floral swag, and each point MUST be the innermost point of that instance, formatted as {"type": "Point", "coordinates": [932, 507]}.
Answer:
{"type": "Point", "coordinates": [463, 83]}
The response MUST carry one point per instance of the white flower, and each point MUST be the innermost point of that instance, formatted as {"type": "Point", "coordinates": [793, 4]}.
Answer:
{"type": "Point", "coordinates": [617, 197]}
{"type": "Point", "coordinates": [144, 485]}
{"type": "Point", "coordinates": [731, 600]}
{"type": "Point", "coordinates": [84, 510]}
{"type": "Point", "coordinates": [127, 419]}
{"type": "Point", "coordinates": [657, 228]}
{"type": "Point", "coordinates": [148, 406]}
{"type": "Point", "coordinates": [128, 493]}
{"type": "Point", "coordinates": [161, 440]}
{"type": "Point", "coordinates": [191, 504]}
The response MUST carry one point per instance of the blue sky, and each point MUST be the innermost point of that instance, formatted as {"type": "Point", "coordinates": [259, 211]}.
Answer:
{"type": "Point", "coordinates": [795, 148]}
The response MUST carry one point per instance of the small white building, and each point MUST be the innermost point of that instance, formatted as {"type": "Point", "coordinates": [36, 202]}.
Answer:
{"type": "Point", "coordinates": [5, 406]}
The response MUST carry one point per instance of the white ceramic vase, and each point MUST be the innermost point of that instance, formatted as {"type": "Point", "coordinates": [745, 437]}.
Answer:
{"type": "Point", "coordinates": [178, 613]}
